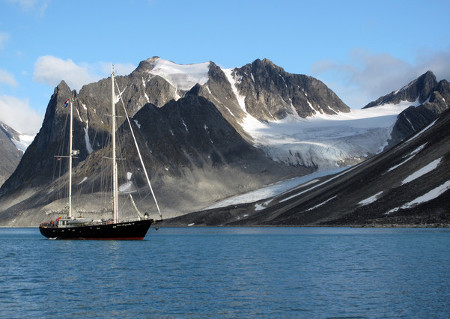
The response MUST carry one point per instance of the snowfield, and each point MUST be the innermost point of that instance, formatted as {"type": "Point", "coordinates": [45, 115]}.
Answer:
{"type": "Point", "coordinates": [324, 140]}
{"type": "Point", "coordinates": [181, 76]}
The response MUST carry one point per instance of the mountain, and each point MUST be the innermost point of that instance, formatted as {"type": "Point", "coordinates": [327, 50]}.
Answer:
{"type": "Point", "coordinates": [425, 99]}
{"type": "Point", "coordinates": [12, 146]}
{"type": "Point", "coordinates": [207, 133]}
{"type": "Point", "coordinates": [407, 185]}
{"type": "Point", "coordinates": [194, 155]}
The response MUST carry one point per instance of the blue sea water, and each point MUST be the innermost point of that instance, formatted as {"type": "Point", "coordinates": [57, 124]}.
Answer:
{"type": "Point", "coordinates": [229, 273]}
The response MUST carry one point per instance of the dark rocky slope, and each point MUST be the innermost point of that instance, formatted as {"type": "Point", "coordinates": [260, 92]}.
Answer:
{"type": "Point", "coordinates": [377, 192]}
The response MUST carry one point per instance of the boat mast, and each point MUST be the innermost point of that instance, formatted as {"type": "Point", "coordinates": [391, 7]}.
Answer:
{"type": "Point", "coordinates": [70, 160]}
{"type": "Point", "coordinates": [114, 166]}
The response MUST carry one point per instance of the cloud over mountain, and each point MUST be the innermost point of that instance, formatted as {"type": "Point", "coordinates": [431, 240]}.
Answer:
{"type": "Point", "coordinates": [51, 70]}
{"type": "Point", "coordinates": [18, 114]}
{"type": "Point", "coordinates": [368, 75]}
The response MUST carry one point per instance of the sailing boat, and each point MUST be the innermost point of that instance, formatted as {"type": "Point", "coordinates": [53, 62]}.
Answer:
{"type": "Point", "coordinates": [83, 228]}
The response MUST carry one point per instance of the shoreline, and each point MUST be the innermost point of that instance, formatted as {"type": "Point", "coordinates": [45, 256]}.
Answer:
{"type": "Point", "coordinates": [439, 225]}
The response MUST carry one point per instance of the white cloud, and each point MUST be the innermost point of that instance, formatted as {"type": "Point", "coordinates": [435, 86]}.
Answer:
{"type": "Point", "coordinates": [35, 6]}
{"type": "Point", "coordinates": [368, 76]}
{"type": "Point", "coordinates": [51, 70]}
{"type": "Point", "coordinates": [18, 114]}
{"type": "Point", "coordinates": [7, 78]}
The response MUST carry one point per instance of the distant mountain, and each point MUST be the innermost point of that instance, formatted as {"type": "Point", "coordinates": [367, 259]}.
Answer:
{"type": "Point", "coordinates": [425, 98]}
{"type": "Point", "coordinates": [12, 146]}
{"type": "Point", "coordinates": [406, 185]}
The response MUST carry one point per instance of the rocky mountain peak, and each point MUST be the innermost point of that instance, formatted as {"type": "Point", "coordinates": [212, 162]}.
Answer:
{"type": "Point", "coordinates": [147, 65]}
{"type": "Point", "coordinates": [419, 90]}
{"type": "Point", "coordinates": [9, 131]}
{"type": "Point", "coordinates": [271, 93]}
{"type": "Point", "coordinates": [425, 85]}
{"type": "Point", "coordinates": [62, 87]}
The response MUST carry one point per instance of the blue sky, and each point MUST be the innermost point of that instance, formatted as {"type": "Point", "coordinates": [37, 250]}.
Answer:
{"type": "Point", "coordinates": [360, 49]}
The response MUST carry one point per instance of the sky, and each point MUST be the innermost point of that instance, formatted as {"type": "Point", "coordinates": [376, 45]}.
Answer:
{"type": "Point", "coordinates": [360, 49]}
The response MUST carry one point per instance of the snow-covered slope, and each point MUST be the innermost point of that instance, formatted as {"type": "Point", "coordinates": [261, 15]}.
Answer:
{"type": "Point", "coordinates": [181, 76]}
{"type": "Point", "coordinates": [322, 140]}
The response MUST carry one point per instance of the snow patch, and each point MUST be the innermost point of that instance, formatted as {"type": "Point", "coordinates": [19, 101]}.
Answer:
{"type": "Point", "coordinates": [79, 116]}
{"type": "Point", "coordinates": [434, 193]}
{"type": "Point", "coordinates": [185, 126]}
{"type": "Point", "coordinates": [89, 148]}
{"type": "Point", "coordinates": [424, 170]}
{"type": "Point", "coordinates": [117, 97]}
{"type": "Point", "coordinates": [409, 157]}
{"type": "Point", "coordinates": [137, 124]}
{"type": "Point", "coordinates": [259, 207]}
{"type": "Point", "coordinates": [417, 150]}
{"type": "Point", "coordinates": [249, 123]}
{"type": "Point", "coordinates": [127, 187]}
{"type": "Point", "coordinates": [23, 142]}
{"type": "Point", "coordinates": [321, 204]}
{"type": "Point", "coordinates": [182, 77]}
{"type": "Point", "coordinates": [423, 130]}
{"type": "Point", "coordinates": [145, 93]}
{"type": "Point", "coordinates": [371, 199]}
{"type": "Point", "coordinates": [398, 165]}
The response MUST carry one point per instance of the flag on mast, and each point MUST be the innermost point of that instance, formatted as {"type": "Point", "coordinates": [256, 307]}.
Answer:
{"type": "Point", "coordinates": [66, 103]}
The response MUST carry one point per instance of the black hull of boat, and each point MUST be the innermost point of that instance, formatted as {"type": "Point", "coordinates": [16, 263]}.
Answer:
{"type": "Point", "coordinates": [134, 230]}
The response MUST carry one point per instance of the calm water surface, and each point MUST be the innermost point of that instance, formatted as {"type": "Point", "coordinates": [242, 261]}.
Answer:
{"type": "Point", "coordinates": [229, 273]}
